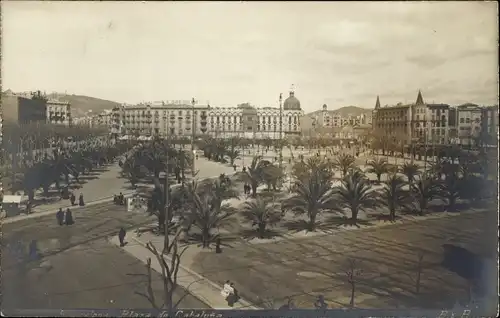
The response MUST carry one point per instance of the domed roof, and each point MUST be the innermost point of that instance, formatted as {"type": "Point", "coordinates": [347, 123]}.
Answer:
{"type": "Point", "coordinates": [291, 103]}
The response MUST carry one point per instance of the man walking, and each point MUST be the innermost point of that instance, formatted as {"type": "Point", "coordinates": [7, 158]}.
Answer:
{"type": "Point", "coordinates": [121, 236]}
{"type": "Point", "coordinates": [60, 216]}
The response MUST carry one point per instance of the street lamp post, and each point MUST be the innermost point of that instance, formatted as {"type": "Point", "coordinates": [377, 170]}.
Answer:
{"type": "Point", "coordinates": [193, 127]}
{"type": "Point", "coordinates": [281, 130]}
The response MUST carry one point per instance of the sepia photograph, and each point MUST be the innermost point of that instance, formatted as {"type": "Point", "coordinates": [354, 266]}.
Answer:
{"type": "Point", "coordinates": [364, 136]}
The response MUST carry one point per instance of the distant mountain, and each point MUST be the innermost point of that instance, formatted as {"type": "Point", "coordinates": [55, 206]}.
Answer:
{"type": "Point", "coordinates": [81, 104]}
{"type": "Point", "coordinates": [345, 111]}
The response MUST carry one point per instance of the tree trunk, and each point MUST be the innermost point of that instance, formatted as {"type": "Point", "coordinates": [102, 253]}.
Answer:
{"type": "Point", "coordinates": [354, 216]}
{"type": "Point", "coordinates": [392, 212]}
{"type": "Point", "coordinates": [254, 190]}
{"type": "Point", "coordinates": [379, 175]}
{"type": "Point", "coordinates": [205, 237]}
{"type": "Point", "coordinates": [451, 203]}
{"type": "Point", "coordinates": [312, 222]}
{"type": "Point", "coordinates": [353, 289]}
{"type": "Point", "coordinates": [262, 229]}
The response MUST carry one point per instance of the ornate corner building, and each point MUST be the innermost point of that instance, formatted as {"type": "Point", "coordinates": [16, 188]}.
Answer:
{"type": "Point", "coordinates": [191, 119]}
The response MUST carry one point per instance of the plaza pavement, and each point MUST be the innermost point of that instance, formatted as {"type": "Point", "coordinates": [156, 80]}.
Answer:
{"type": "Point", "coordinates": [304, 268]}
{"type": "Point", "coordinates": [197, 285]}
{"type": "Point", "coordinates": [76, 266]}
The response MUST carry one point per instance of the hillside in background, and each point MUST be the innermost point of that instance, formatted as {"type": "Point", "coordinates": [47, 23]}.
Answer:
{"type": "Point", "coordinates": [346, 111]}
{"type": "Point", "coordinates": [81, 104]}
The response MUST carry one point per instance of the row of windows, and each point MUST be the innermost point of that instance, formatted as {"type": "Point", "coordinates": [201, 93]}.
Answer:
{"type": "Point", "coordinates": [468, 120]}
{"type": "Point", "coordinates": [157, 113]}
{"type": "Point", "coordinates": [259, 127]}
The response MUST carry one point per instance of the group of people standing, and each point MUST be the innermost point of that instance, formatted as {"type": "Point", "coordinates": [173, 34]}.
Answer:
{"type": "Point", "coordinates": [64, 218]}
{"type": "Point", "coordinates": [230, 293]}
{"type": "Point", "coordinates": [119, 199]}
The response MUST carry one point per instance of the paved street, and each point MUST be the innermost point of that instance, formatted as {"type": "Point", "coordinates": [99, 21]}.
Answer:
{"type": "Point", "coordinates": [78, 267]}
{"type": "Point", "coordinates": [304, 268]}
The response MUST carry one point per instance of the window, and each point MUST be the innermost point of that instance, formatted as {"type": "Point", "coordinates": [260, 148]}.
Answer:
{"type": "Point", "coordinates": [467, 120]}
{"type": "Point", "coordinates": [249, 128]}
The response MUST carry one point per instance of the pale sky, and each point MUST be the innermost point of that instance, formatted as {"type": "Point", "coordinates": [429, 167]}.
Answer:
{"type": "Point", "coordinates": [337, 53]}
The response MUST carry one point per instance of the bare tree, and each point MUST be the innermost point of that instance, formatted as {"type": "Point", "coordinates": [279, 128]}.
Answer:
{"type": "Point", "coordinates": [418, 271]}
{"type": "Point", "coordinates": [169, 260]}
{"type": "Point", "coordinates": [353, 273]}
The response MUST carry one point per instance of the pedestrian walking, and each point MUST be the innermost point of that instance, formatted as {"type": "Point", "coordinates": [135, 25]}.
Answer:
{"type": "Point", "coordinates": [80, 200]}
{"type": "Point", "coordinates": [72, 198]}
{"type": "Point", "coordinates": [226, 291]}
{"type": "Point", "coordinates": [121, 236]}
{"type": "Point", "coordinates": [68, 217]}
{"type": "Point", "coordinates": [60, 217]}
{"type": "Point", "coordinates": [233, 296]}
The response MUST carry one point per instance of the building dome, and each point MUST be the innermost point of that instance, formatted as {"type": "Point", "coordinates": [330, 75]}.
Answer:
{"type": "Point", "coordinates": [291, 103]}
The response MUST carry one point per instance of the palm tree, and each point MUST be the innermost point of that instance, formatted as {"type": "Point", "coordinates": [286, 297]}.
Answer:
{"type": "Point", "coordinates": [257, 171]}
{"type": "Point", "coordinates": [261, 213]}
{"type": "Point", "coordinates": [378, 166]}
{"type": "Point", "coordinates": [425, 190]}
{"type": "Point", "coordinates": [344, 162]}
{"type": "Point", "coordinates": [356, 194]}
{"type": "Point", "coordinates": [393, 196]}
{"type": "Point", "coordinates": [410, 170]}
{"type": "Point", "coordinates": [312, 195]}
{"type": "Point", "coordinates": [450, 188]}
{"type": "Point", "coordinates": [206, 217]}
{"type": "Point", "coordinates": [220, 189]}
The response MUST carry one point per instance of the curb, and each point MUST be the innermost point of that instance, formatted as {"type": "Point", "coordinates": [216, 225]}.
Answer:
{"type": "Point", "coordinates": [246, 304]}
{"type": "Point", "coordinates": [75, 208]}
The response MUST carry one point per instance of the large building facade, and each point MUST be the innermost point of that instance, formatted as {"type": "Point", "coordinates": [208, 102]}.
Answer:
{"type": "Point", "coordinates": [23, 110]}
{"type": "Point", "coordinates": [163, 118]}
{"type": "Point", "coordinates": [418, 122]}
{"type": "Point", "coordinates": [189, 118]}
{"type": "Point", "coordinates": [58, 113]}
{"type": "Point", "coordinates": [435, 123]}
{"type": "Point", "coordinates": [472, 122]}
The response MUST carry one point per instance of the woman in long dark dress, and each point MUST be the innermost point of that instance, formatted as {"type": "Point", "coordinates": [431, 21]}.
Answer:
{"type": "Point", "coordinates": [60, 217]}
{"type": "Point", "coordinates": [69, 217]}
{"type": "Point", "coordinates": [80, 200]}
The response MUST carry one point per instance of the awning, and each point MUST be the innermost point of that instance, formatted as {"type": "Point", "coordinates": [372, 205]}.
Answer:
{"type": "Point", "coordinates": [12, 199]}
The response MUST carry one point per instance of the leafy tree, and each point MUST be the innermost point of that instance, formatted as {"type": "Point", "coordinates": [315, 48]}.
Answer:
{"type": "Point", "coordinates": [206, 217]}
{"type": "Point", "coordinates": [410, 170]}
{"type": "Point", "coordinates": [425, 189]}
{"type": "Point", "coordinates": [378, 166]}
{"type": "Point", "coordinates": [450, 188]}
{"type": "Point", "coordinates": [258, 172]}
{"type": "Point", "coordinates": [393, 196]}
{"type": "Point", "coordinates": [355, 194]}
{"type": "Point", "coordinates": [312, 195]}
{"type": "Point", "coordinates": [344, 162]}
{"type": "Point", "coordinates": [261, 213]}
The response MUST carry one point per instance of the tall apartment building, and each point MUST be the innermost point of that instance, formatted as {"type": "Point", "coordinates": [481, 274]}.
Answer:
{"type": "Point", "coordinates": [471, 122]}
{"type": "Point", "coordinates": [163, 118]}
{"type": "Point", "coordinates": [422, 122]}
{"type": "Point", "coordinates": [179, 118]}
{"type": "Point", "coordinates": [58, 113]}
{"type": "Point", "coordinates": [22, 109]}
{"type": "Point", "coordinates": [257, 122]}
